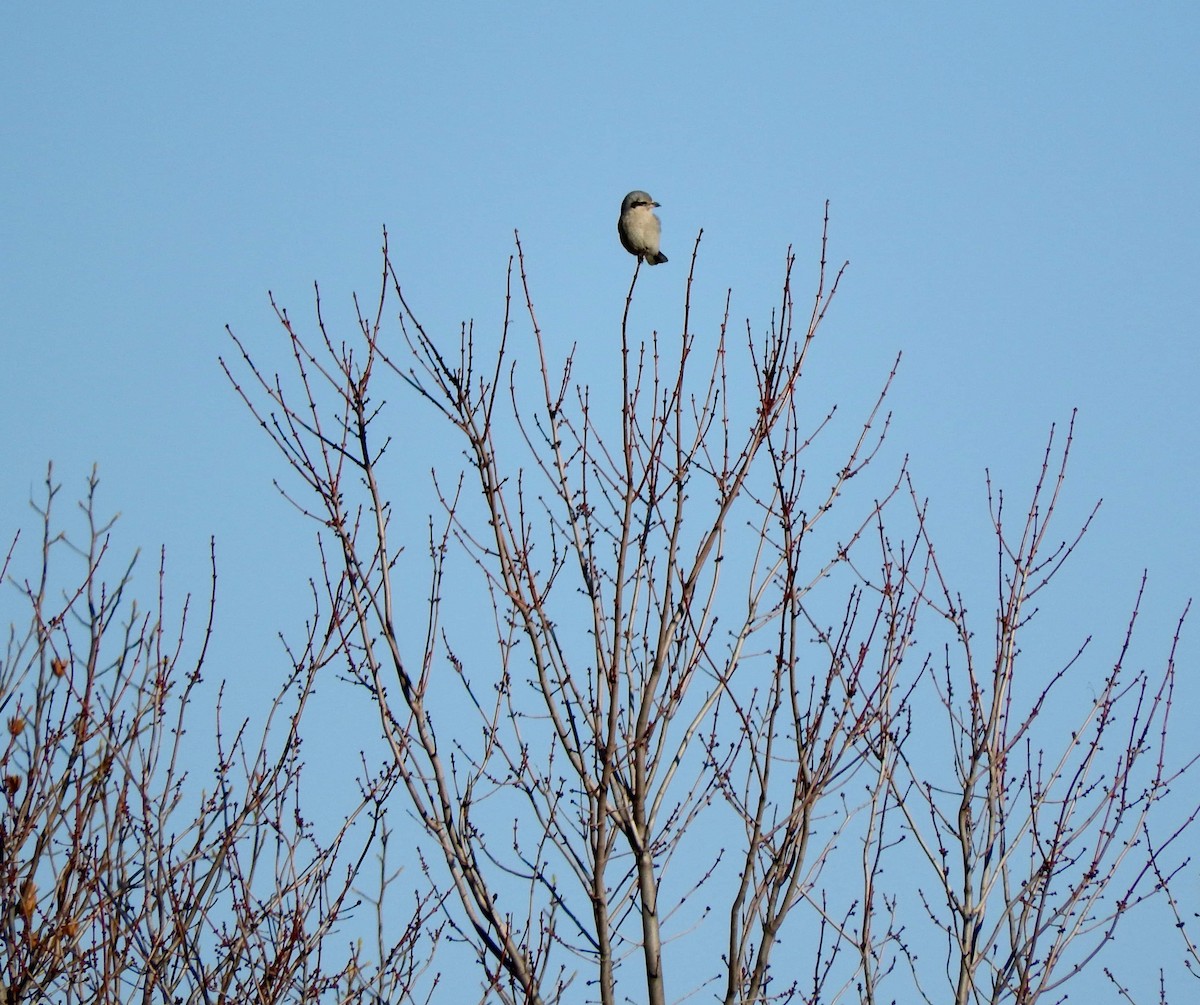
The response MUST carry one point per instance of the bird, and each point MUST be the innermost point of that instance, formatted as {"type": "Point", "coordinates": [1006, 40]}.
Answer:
{"type": "Point", "coordinates": [639, 229]}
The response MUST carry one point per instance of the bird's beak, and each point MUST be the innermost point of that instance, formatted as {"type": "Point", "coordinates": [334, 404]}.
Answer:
{"type": "Point", "coordinates": [656, 204]}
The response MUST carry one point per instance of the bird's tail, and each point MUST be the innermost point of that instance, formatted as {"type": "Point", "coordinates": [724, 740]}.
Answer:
{"type": "Point", "coordinates": [656, 259]}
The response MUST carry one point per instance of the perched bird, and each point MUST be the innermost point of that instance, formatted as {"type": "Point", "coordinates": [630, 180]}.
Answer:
{"type": "Point", "coordinates": [639, 229]}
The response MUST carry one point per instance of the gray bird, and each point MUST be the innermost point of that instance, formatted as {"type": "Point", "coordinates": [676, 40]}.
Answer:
{"type": "Point", "coordinates": [639, 229]}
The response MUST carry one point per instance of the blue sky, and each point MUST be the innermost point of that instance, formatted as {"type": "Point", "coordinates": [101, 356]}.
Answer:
{"type": "Point", "coordinates": [1015, 188]}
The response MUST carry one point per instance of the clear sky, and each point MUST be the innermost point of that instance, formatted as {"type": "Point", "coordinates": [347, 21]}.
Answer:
{"type": "Point", "coordinates": [1017, 189]}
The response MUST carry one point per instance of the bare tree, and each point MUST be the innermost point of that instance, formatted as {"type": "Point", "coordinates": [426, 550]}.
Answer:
{"type": "Point", "coordinates": [699, 680]}
{"type": "Point", "coordinates": [681, 735]}
{"type": "Point", "coordinates": [1040, 837]}
{"type": "Point", "coordinates": [120, 878]}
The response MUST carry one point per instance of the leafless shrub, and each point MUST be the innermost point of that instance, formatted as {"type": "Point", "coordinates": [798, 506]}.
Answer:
{"type": "Point", "coordinates": [121, 879]}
